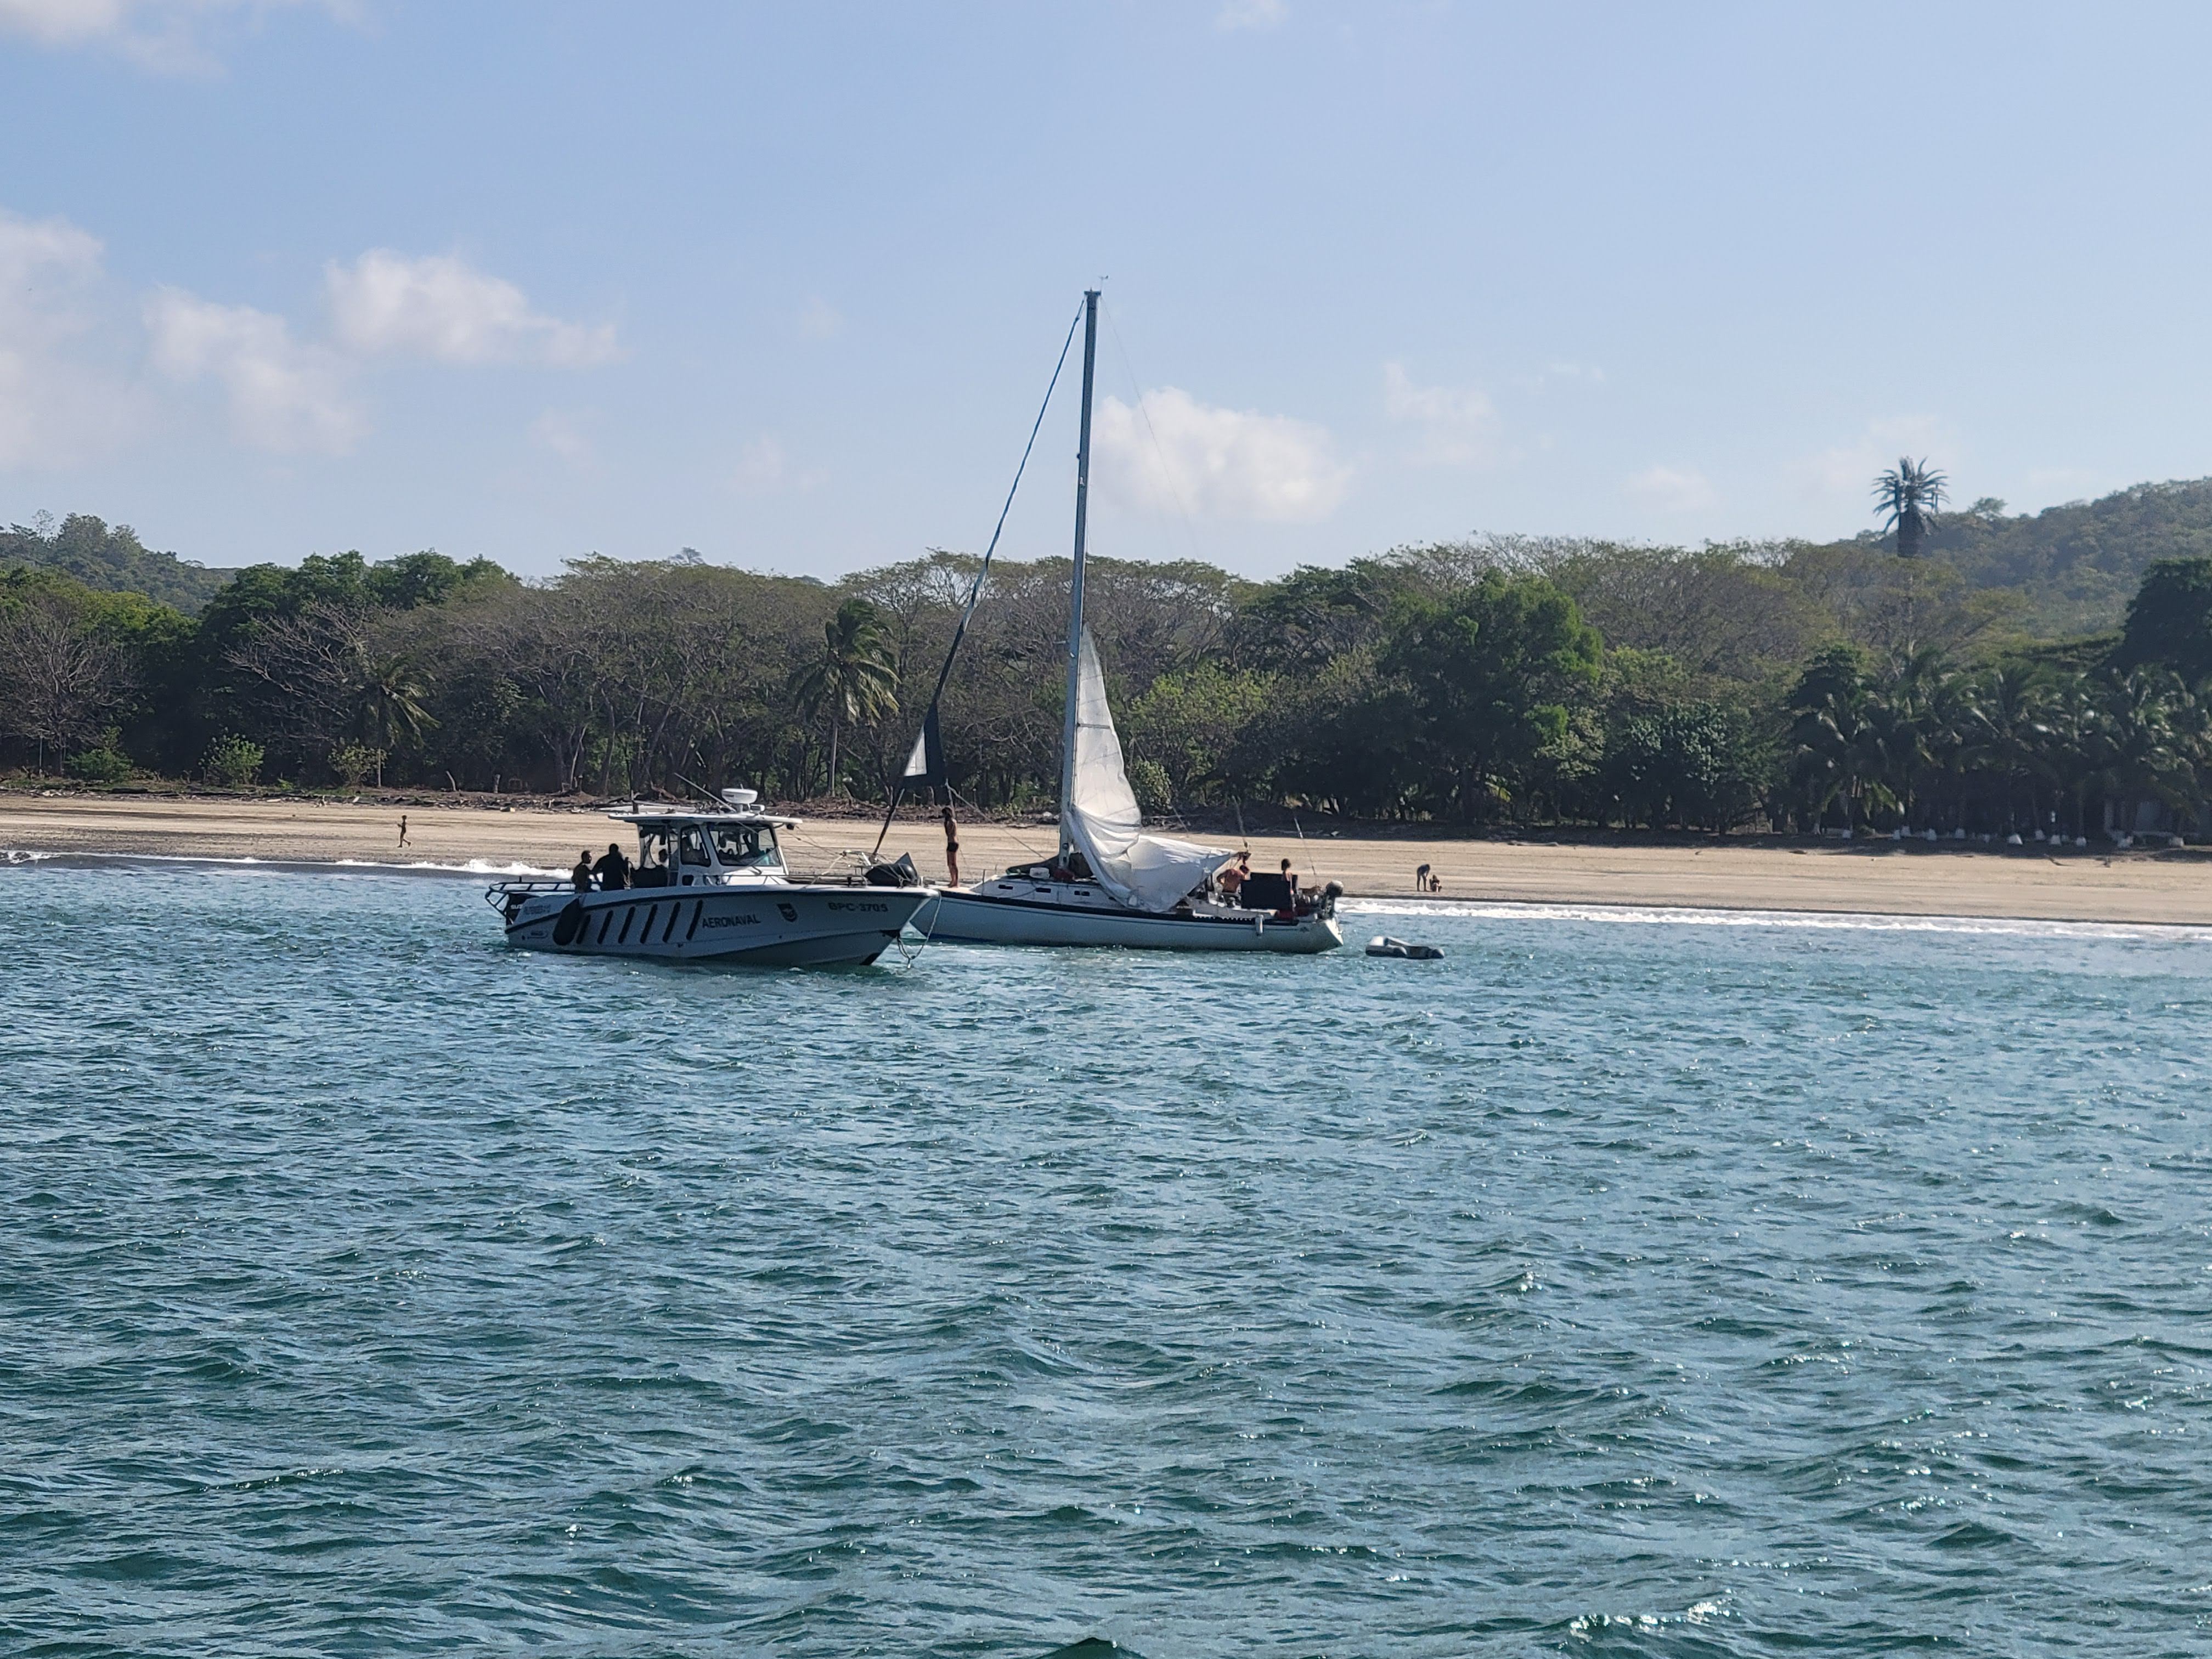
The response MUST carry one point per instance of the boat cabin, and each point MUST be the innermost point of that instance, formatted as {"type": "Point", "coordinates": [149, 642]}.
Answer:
{"type": "Point", "coordinates": [690, 847]}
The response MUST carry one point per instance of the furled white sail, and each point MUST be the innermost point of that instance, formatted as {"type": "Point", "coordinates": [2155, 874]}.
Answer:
{"type": "Point", "coordinates": [1151, 872]}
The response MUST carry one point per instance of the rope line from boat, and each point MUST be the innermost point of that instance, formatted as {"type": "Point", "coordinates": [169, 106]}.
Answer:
{"type": "Point", "coordinates": [975, 587]}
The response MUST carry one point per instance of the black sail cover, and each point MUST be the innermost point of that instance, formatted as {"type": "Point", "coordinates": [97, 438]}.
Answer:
{"type": "Point", "coordinates": [925, 767]}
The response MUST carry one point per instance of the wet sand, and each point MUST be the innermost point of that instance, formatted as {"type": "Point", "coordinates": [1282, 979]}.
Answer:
{"type": "Point", "coordinates": [1882, 878]}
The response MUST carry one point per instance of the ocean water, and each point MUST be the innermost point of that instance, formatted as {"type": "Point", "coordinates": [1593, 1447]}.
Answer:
{"type": "Point", "coordinates": [1623, 1284]}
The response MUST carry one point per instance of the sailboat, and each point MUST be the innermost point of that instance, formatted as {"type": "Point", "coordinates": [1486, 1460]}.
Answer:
{"type": "Point", "coordinates": [1111, 882]}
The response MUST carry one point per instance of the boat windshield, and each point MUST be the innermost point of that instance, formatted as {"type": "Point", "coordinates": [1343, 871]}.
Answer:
{"type": "Point", "coordinates": [747, 847]}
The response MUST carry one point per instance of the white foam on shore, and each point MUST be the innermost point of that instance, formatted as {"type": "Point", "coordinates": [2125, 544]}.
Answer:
{"type": "Point", "coordinates": [1825, 921]}
{"type": "Point", "coordinates": [473, 867]}
{"type": "Point", "coordinates": [306, 866]}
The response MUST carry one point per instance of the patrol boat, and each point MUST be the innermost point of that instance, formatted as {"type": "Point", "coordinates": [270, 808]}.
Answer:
{"type": "Point", "coordinates": [710, 886]}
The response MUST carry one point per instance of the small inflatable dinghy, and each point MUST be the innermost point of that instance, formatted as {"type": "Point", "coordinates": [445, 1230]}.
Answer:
{"type": "Point", "coordinates": [1384, 946]}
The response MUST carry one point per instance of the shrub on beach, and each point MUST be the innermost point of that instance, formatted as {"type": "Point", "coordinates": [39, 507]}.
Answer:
{"type": "Point", "coordinates": [232, 760]}
{"type": "Point", "coordinates": [104, 762]}
{"type": "Point", "coordinates": [356, 761]}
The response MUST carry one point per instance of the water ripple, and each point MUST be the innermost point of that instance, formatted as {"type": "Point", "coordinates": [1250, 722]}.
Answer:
{"type": "Point", "coordinates": [1625, 1283]}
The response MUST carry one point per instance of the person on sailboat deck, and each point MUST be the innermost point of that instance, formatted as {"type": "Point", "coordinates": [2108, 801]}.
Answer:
{"type": "Point", "coordinates": [951, 849]}
{"type": "Point", "coordinates": [1290, 876]}
{"type": "Point", "coordinates": [1231, 881]}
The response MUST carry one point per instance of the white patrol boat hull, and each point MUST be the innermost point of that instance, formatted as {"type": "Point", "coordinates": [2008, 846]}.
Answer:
{"type": "Point", "coordinates": [770, 924]}
{"type": "Point", "coordinates": [1023, 912]}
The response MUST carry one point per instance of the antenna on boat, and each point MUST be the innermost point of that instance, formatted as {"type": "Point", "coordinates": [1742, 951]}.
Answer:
{"type": "Point", "coordinates": [1075, 577]}
{"type": "Point", "coordinates": [702, 790]}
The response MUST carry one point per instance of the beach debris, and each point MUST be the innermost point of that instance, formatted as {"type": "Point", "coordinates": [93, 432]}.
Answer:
{"type": "Point", "coordinates": [1384, 946]}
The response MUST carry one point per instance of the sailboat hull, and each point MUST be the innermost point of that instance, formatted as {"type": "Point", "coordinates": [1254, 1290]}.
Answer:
{"type": "Point", "coordinates": [957, 916]}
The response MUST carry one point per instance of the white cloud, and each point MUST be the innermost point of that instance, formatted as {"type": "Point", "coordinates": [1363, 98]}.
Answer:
{"type": "Point", "coordinates": [1249, 14]}
{"type": "Point", "coordinates": [762, 468]}
{"type": "Point", "coordinates": [63, 22]}
{"type": "Point", "coordinates": [1171, 453]}
{"type": "Point", "coordinates": [56, 407]}
{"type": "Point", "coordinates": [563, 434]}
{"type": "Point", "coordinates": [284, 395]}
{"type": "Point", "coordinates": [1847, 471]}
{"type": "Point", "coordinates": [440, 307]}
{"type": "Point", "coordinates": [1460, 426]}
{"type": "Point", "coordinates": [1671, 489]}
{"type": "Point", "coordinates": [164, 35]}
{"type": "Point", "coordinates": [819, 320]}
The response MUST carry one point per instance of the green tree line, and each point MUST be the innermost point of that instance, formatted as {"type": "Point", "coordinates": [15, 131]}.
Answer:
{"type": "Point", "coordinates": [1497, 680]}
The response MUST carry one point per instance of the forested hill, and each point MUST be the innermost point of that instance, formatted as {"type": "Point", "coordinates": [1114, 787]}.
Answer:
{"type": "Point", "coordinates": [2076, 565]}
{"type": "Point", "coordinates": [111, 558]}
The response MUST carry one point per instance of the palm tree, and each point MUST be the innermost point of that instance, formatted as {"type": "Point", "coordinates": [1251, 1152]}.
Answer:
{"type": "Point", "coordinates": [854, 677]}
{"type": "Point", "coordinates": [392, 692]}
{"type": "Point", "coordinates": [1909, 493]}
{"type": "Point", "coordinates": [1829, 734]}
{"type": "Point", "coordinates": [1923, 716]}
{"type": "Point", "coordinates": [388, 689]}
{"type": "Point", "coordinates": [2150, 754]}
{"type": "Point", "coordinates": [2008, 736]}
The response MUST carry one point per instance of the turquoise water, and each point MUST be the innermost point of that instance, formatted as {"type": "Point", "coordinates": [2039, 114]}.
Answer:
{"type": "Point", "coordinates": [1614, 1286]}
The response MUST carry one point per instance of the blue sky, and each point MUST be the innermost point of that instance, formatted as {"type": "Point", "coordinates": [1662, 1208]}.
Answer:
{"type": "Point", "coordinates": [783, 284]}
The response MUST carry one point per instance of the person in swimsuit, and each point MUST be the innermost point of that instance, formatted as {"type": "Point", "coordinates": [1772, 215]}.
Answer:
{"type": "Point", "coordinates": [402, 828]}
{"type": "Point", "coordinates": [951, 849]}
{"type": "Point", "coordinates": [1231, 881]}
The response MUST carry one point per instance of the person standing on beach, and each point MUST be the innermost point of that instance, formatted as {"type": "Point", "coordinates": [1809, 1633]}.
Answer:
{"type": "Point", "coordinates": [403, 829]}
{"type": "Point", "coordinates": [951, 849]}
{"type": "Point", "coordinates": [1421, 878]}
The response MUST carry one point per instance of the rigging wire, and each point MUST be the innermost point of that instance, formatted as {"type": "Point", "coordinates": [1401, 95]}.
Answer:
{"type": "Point", "coordinates": [1145, 414]}
{"type": "Point", "coordinates": [976, 589]}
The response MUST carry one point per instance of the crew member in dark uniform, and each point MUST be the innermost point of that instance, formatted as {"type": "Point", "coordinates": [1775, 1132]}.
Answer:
{"type": "Point", "coordinates": [613, 870]}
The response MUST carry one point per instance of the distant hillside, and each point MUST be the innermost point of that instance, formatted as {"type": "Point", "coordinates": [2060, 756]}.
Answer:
{"type": "Point", "coordinates": [2078, 565]}
{"type": "Point", "coordinates": [111, 558]}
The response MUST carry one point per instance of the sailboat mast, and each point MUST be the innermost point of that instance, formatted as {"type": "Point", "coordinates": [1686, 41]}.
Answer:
{"type": "Point", "coordinates": [1075, 581]}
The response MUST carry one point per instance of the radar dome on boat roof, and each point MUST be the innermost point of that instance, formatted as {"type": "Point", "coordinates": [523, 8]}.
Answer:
{"type": "Point", "coordinates": [741, 797]}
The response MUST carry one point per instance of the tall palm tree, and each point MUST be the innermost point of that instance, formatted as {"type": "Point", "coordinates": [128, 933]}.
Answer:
{"type": "Point", "coordinates": [1909, 493]}
{"type": "Point", "coordinates": [855, 677]}
{"type": "Point", "coordinates": [392, 691]}
{"type": "Point", "coordinates": [388, 692]}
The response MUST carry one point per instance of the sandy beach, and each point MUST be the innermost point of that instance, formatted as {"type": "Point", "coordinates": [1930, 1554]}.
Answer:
{"type": "Point", "coordinates": [1879, 877]}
